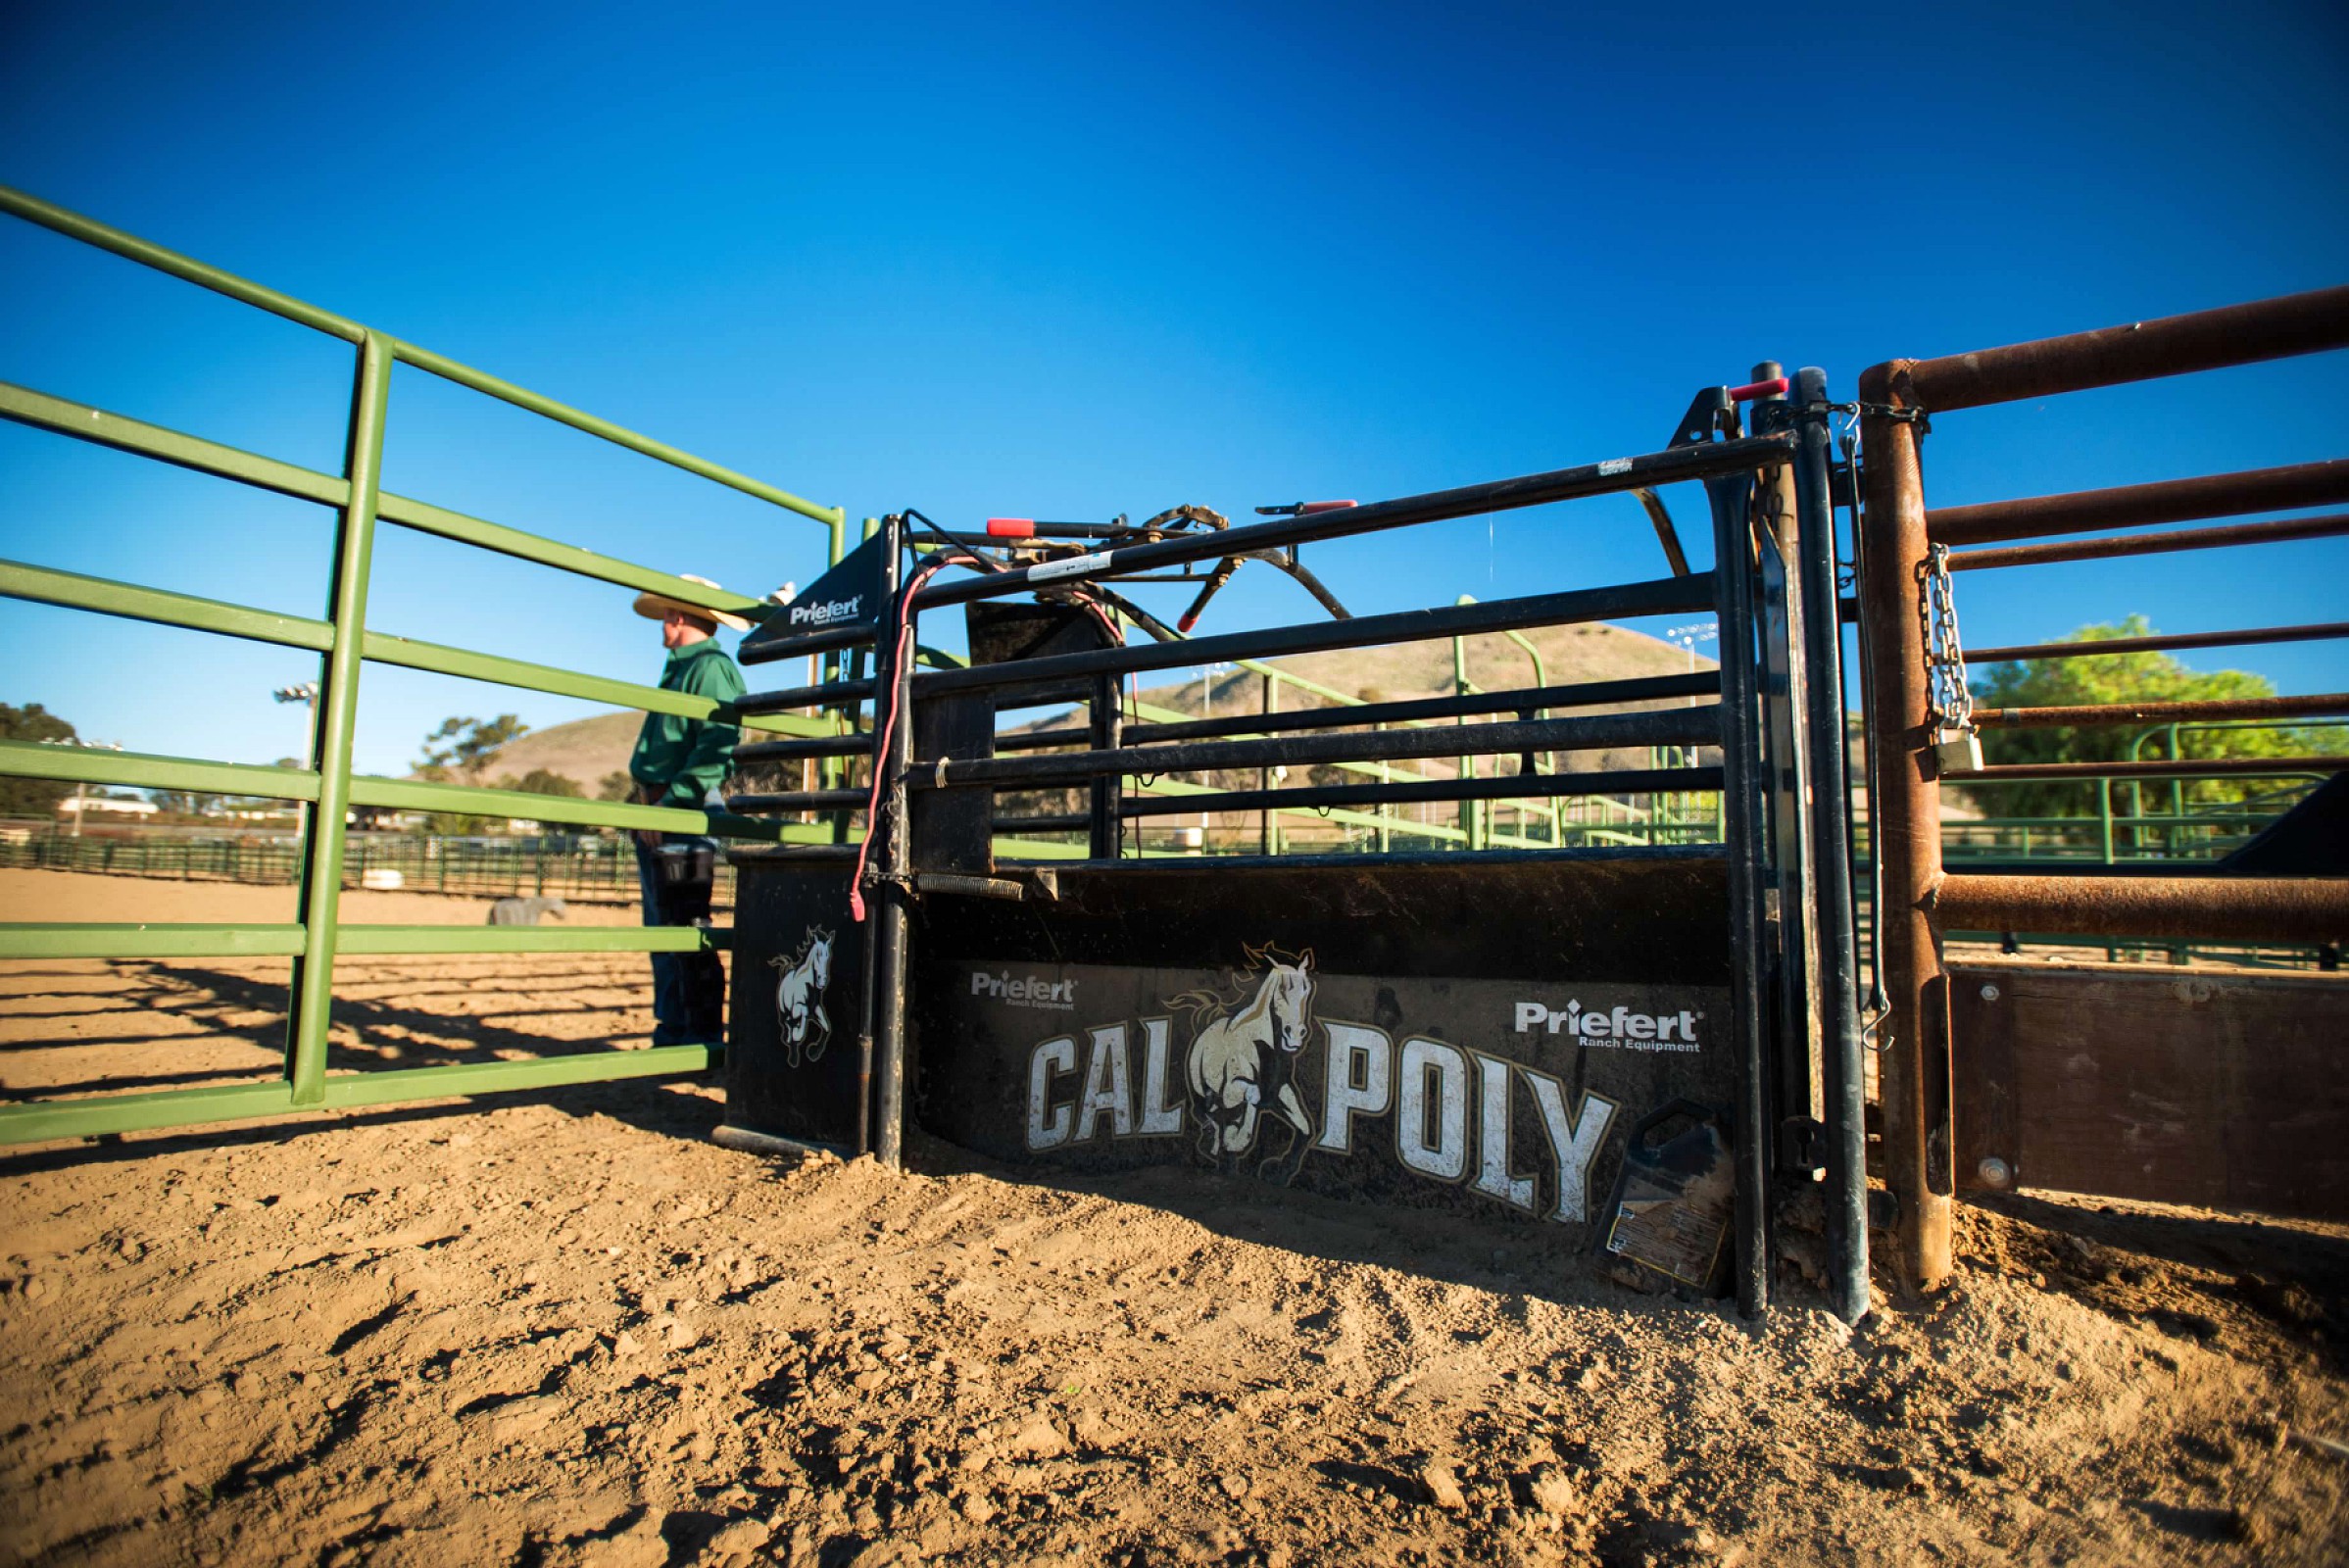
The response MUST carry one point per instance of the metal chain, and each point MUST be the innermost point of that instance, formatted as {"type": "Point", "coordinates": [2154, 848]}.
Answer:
{"type": "Point", "coordinates": [1951, 698]}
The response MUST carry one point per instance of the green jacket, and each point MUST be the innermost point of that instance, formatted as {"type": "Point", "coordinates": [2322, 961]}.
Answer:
{"type": "Point", "coordinates": [682, 759]}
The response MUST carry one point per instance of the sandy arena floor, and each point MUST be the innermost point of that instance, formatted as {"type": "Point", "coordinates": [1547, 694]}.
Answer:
{"type": "Point", "coordinates": [566, 1329]}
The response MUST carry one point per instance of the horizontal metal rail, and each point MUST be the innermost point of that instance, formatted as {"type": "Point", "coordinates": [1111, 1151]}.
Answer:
{"type": "Point", "coordinates": [99, 1116]}
{"type": "Point", "coordinates": [1511, 786]}
{"type": "Point", "coordinates": [854, 744]}
{"type": "Point", "coordinates": [2100, 714]}
{"type": "Point", "coordinates": [832, 694]}
{"type": "Point", "coordinates": [1671, 726]}
{"type": "Point", "coordinates": [149, 770]}
{"type": "Point", "coordinates": [84, 423]}
{"type": "Point", "coordinates": [1663, 596]}
{"type": "Point", "coordinates": [2143, 506]}
{"type": "Point", "coordinates": [1709, 461]}
{"type": "Point", "coordinates": [131, 247]}
{"type": "Point", "coordinates": [2185, 767]}
{"type": "Point", "coordinates": [439, 521]}
{"type": "Point", "coordinates": [2240, 909]}
{"type": "Point", "coordinates": [2152, 544]}
{"type": "Point", "coordinates": [1525, 700]}
{"type": "Point", "coordinates": [118, 940]}
{"type": "Point", "coordinates": [130, 601]}
{"type": "Point", "coordinates": [799, 801]}
{"type": "Point", "coordinates": [104, 596]}
{"type": "Point", "coordinates": [2097, 647]}
{"type": "Point", "coordinates": [2174, 345]}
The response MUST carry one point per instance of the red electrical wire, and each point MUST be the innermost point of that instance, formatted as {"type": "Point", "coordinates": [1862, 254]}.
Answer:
{"type": "Point", "coordinates": [902, 617]}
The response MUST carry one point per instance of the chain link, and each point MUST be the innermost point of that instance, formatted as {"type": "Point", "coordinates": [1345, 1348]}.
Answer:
{"type": "Point", "coordinates": [1951, 698]}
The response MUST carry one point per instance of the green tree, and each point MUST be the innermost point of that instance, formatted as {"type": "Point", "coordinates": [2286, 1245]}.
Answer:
{"type": "Point", "coordinates": [462, 748]}
{"type": "Point", "coordinates": [2115, 678]}
{"type": "Point", "coordinates": [460, 751]}
{"type": "Point", "coordinates": [539, 781]}
{"type": "Point", "coordinates": [31, 796]}
{"type": "Point", "coordinates": [615, 786]}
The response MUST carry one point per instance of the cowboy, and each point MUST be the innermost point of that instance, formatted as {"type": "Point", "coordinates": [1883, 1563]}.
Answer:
{"type": "Point", "coordinates": [679, 762]}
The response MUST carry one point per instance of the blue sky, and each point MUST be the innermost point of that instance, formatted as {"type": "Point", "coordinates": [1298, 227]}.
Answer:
{"type": "Point", "coordinates": [1077, 261]}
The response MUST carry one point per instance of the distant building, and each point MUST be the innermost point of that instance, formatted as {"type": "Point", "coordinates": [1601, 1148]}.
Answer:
{"type": "Point", "coordinates": [115, 805]}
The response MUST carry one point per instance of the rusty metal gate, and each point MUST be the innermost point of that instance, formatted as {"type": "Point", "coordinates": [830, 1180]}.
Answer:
{"type": "Point", "coordinates": [2196, 1085]}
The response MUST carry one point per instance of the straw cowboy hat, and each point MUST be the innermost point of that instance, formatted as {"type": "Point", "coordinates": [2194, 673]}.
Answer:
{"type": "Point", "coordinates": [653, 607]}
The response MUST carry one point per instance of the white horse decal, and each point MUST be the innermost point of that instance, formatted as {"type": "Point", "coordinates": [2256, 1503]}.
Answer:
{"type": "Point", "coordinates": [1242, 1060]}
{"type": "Point", "coordinates": [800, 996]}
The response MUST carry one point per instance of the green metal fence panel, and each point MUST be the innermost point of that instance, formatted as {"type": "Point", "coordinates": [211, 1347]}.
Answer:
{"type": "Point", "coordinates": [322, 865]}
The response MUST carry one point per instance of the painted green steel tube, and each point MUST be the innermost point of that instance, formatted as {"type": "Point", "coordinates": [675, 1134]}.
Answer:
{"type": "Point", "coordinates": [98, 1115]}
{"type": "Point", "coordinates": [319, 901]}
{"type": "Point", "coordinates": [105, 597]}
{"type": "Point", "coordinates": [466, 375]}
{"type": "Point", "coordinates": [131, 248]}
{"type": "Point", "coordinates": [418, 795]}
{"type": "Point", "coordinates": [85, 423]}
{"type": "Point", "coordinates": [425, 518]}
{"type": "Point", "coordinates": [111, 940]}
{"type": "Point", "coordinates": [442, 660]}
{"type": "Point", "coordinates": [397, 939]}
{"type": "Point", "coordinates": [148, 771]}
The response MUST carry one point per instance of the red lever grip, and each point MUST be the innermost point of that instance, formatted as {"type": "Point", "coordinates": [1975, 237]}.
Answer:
{"type": "Point", "coordinates": [1011, 527]}
{"type": "Point", "coordinates": [1311, 507]}
{"type": "Point", "coordinates": [1758, 389]}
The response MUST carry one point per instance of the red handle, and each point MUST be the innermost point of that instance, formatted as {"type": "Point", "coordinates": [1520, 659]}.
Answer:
{"type": "Point", "coordinates": [1011, 527]}
{"type": "Point", "coordinates": [1758, 389]}
{"type": "Point", "coordinates": [1311, 507]}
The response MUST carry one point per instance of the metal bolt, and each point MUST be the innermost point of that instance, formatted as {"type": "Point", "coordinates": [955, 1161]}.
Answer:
{"type": "Point", "coordinates": [1990, 993]}
{"type": "Point", "coordinates": [1994, 1171]}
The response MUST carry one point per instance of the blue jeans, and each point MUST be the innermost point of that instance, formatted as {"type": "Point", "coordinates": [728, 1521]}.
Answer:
{"type": "Point", "coordinates": [689, 988]}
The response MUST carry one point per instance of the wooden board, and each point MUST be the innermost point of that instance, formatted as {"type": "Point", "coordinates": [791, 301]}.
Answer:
{"type": "Point", "coordinates": [2226, 1091]}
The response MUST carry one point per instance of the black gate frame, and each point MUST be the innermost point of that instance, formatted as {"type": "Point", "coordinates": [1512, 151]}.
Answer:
{"type": "Point", "coordinates": [1778, 723]}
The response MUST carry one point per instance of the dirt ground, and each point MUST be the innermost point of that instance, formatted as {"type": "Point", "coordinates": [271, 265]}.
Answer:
{"type": "Point", "coordinates": [567, 1329]}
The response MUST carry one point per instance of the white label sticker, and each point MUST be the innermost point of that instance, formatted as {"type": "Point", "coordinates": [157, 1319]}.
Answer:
{"type": "Point", "coordinates": [1615, 465]}
{"type": "Point", "coordinates": [1073, 566]}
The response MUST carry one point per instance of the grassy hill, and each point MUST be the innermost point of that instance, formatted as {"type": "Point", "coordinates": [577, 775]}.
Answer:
{"type": "Point", "coordinates": [584, 750]}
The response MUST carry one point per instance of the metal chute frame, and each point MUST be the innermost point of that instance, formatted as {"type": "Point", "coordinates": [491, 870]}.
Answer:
{"type": "Point", "coordinates": [1789, 941]}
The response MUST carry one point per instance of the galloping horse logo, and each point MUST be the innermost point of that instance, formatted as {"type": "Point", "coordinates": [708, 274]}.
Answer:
{"type": "Point", "coordinates": [800, 996]}
{"type": "Point", "coordinates": [1242, 1060]}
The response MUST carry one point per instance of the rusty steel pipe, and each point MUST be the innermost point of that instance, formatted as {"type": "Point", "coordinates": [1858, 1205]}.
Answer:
{"type": "Point", "coordinates": [2161, 712]}
{"type": "Point", "coordinates": [1906, 826]}
{"type": "Point", "coordinates": [2144, 506]}
{"type": "Point", "coordinates": [2096, 647]}
{"type": "Point", "coordinates": [2246, 909]}
{"type": "Point", "coordinates": [2173, 345]}
{"type": "Point", "coordinates": [2188, 768]}
{"type": "Point", "coordinates": [2150, 544]}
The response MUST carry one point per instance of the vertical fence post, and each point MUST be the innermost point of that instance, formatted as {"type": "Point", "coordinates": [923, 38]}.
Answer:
{"type": "Point", "coordinates": [312, 994]}
{"type": "Point", "coordinates": [1906, 827]}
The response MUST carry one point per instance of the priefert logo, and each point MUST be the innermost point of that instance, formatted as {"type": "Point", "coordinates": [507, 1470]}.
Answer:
{"type": "Point", "coordinates": [1028, 991]}
{"type": "Point", "coordinates": [823, 615]}
{"type": "Point", "coordinates": [1617, 1027]}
